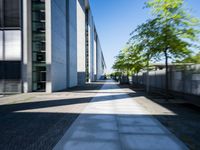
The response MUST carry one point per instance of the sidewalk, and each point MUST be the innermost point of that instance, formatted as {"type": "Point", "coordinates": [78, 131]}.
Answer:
{"type": "Point", "coordinates": [114, 121]}
{"type": "Point", "coordinates": [37, 121]}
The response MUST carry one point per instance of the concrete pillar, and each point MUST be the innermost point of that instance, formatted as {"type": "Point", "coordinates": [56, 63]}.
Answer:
{"type": "Point", "coordinates": [27, 47]}
{"type": "Point", "coordinates": [48, 46]}
{"type": "Point", "coordinates": [91, 46]}
{"type": "Point", "coordinates": [81, 47]}
{"type": "Point", "coordinates": [95, 57]}
{"type": "Point", "coordinates": [72, 43]}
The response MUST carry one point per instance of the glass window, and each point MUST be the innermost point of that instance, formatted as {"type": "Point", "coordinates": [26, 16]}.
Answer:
{"type": "Point", "coordinates": [12, 45]}
{"type": "Point", "coordinates": [38, 5]}
{"type": "Point", "coordinates": [12, 13]}
{"type": "Point", "coordinates": [1, 72]}
{"type": "Point", "coordinates": [39, 57]}
{"type": "Point", "coordinates": [12, 70]}
{"type": "Point", "coordinates": [37, 37]}
{"type": "Point", "coordinates": [1, 45]}
{"type": "Point", "coordinates": [38, 26]}
{"type": "Point", "coordinates": [1, 13]}
{"type": "Point", "coordinates": [38, 16]}
{"type": "Point", "coordinates": [38, 47]}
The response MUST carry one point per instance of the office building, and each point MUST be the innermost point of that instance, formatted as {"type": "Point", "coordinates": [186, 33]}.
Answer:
{"type": "Point", "coordinates": [47, 45]}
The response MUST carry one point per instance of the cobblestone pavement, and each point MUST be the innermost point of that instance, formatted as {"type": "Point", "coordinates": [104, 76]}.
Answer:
{"type": "Point", "coordinates": [37, 121]}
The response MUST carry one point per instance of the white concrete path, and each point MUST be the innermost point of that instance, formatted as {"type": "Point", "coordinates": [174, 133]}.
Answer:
{"type": "Point", "coordinates": [114, 121]}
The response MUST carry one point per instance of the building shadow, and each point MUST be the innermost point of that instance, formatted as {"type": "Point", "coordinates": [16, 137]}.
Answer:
{"type": "Point", "coordinates": [42, 130]}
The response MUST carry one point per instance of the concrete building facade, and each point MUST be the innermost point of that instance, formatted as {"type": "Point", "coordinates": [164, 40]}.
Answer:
{"type": "Point", "coordinates": [47, 45]}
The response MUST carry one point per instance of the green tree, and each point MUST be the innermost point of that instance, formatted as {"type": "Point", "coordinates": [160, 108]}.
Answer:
{"type": "Point", "coordinates": [123, 62]}
{"type": "Point", "coordinates": [119, 64]}
{"type": "Point", "coordinates": [146, 36]}
{"type": "Point", "coordinates": [170, 34]}
{"type": "Point", "coordinates": [136, 59]}
{"type": "Point", "coordinates": [129, 60]}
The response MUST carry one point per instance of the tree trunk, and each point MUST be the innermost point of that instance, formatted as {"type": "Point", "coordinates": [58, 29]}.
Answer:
{"type": "Point", "coordinates": [166, 74]}
{"type": "Point", "coordinates": [127, 76]}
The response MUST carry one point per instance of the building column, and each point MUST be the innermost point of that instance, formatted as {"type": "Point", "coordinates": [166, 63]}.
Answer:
{"type": "Point", "coordinates": [48, 46]}
{"type": "Point", "coordinates": [27, 47]}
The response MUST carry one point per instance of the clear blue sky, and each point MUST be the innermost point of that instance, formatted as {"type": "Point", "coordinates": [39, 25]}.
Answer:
{"type": "Point", "coordinates": [115, 19]}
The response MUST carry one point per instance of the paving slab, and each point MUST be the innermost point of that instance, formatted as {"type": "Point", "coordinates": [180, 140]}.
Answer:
{"type": "Point", "coordinates": [115, 121]}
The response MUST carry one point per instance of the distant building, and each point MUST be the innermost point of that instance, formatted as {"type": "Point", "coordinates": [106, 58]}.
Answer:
{"type": "Point", "coordinates": [47, 45]}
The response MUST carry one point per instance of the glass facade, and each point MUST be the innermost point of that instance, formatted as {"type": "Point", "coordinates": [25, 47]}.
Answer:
{"type": "Point", "coordinates": [87, 45]}
{"type": "Point", "coordinates": [38, 46]}
{"type": "Point", "coordinates": [10, 11]}
{"type": "Point", "coordinates": [1, 13]}
{"type": "Point", "coordinates": [1, 45]}
{"type": "Point", "coordinates": [10, 46]}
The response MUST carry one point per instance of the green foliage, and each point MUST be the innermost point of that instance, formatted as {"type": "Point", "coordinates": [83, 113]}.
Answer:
{"type": "Point", "coordinates": [129, 60]}
{"type": "Point", "coordinates": [145, 37]}
{"type": "Point", "coordinates": [166, 8]}
{"type": "Point", "coordinates": [119, 64]}
{"type": "Point", "coordinates": [170, 34]}
{"type": "Point", "coordinates": [136, 58]}
{"type": "Point", "coordinates": [191, 59]}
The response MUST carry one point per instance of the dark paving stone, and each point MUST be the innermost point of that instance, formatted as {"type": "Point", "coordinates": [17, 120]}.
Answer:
{"type": "Point", "coordinates": [35, 131]}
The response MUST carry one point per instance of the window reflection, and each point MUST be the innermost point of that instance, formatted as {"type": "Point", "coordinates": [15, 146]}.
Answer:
{"type": "Point", "coordinates": [11, 13]}
{"type": "Point", "coordinates": [12, 45]}
{"type": "Point", "coordinates": [1, 13]}
{"type": "Point", "coordinates": [1, 45]}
